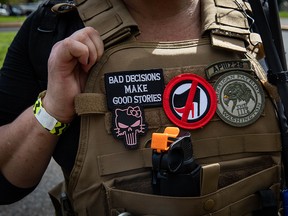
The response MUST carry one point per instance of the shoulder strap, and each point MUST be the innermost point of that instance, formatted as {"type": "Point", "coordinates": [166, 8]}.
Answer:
{"type": "Point", "coordinates": [225, 20]}
{"type": "Point", "coordinates": [45, 29]}
{"type": "Point", "coordinates": [110, 18]}
{"type": "Point", "coordinates": [227, 23]}
{"type": "Point", "coordinates": [277, 72]}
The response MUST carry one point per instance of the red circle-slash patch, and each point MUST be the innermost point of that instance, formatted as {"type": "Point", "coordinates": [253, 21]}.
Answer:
{"type": "Point", "coordinates": [189, 101]}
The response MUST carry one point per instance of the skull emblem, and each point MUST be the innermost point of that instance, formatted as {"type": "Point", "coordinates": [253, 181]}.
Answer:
{"type": "Point", "coordinates": [129, 125]}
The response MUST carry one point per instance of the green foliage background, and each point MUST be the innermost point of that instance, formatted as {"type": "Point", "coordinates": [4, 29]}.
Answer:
{"type": "Point", "coordinates": [7, 37]}
{"type": "Point", "coordinates": [5, 40]}
{"type": "Point", "coordinates": [283, 14]}
{"type": "Point", "coordinates": [12, 2]}
{"type": "Point", "coordinates": [12, 19]}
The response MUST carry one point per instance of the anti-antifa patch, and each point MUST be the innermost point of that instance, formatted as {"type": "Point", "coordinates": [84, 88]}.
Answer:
{"type": "Point", "coordinates": [240, 98]}
{"type": "Point", "coordinates": [189, 101]}
{"type": "Point", "coordinates": [128, 125]}
{"type": "Point", "coordinates": [143, 87]}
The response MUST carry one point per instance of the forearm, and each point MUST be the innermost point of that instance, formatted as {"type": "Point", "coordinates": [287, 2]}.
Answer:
{"type": "Point", "coordinates": [25, 150]}
{"type": "Point", "coordinates": [25, 146]}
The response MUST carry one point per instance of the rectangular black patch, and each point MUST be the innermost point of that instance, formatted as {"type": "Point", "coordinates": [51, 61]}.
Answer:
{"type": "Point", "coordinates": [137, 87]}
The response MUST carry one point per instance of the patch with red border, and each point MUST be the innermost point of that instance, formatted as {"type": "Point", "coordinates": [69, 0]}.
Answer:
{"type": "Point", "coordinates": [189, 101]}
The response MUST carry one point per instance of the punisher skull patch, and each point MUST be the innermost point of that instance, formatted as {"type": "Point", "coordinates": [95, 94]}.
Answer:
{"type": "Point", "coordinates": [240, 98]}
{"type": "Point", "coordinates": [189, 101]}
{"type": "Point", "coordinates": [128, 125]}
{"type": "Point", "coordinates": [127, 94]}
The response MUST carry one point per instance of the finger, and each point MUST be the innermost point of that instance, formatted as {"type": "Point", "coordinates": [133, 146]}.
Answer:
{"type": "Point", "coordinates": [92, 39]}
{"type": "Point", "coordinates": [98, 42]}
{"type": "Point", "coordinates": [84, 46]}
{"type": "Point", "coordinates": [71, 49]}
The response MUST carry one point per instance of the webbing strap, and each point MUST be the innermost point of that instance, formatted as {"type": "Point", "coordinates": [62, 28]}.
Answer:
{"type": "Point", "coordinates": [227, 16]}
{"type": "Point", "coordinates": [209, 178]}
{"type": "Point", "coordinates": [131, 160]}
{"type": "Point", "coordinates": [90, 103]}
{"type": "Point", "coordinates": [110, 17]}
{"type": "Point", "coordinates": [227, 23]}
{"type": "Point", "coordinates": [114, 22]}
{"type": "Point", "coordinates": [232, 43]}
{"type": "Point", "coordinates": [205, 148]}
{"type": "Point", "coordinates": [268, 204]}
{"type": "Point", "coordinates": [95, 103]}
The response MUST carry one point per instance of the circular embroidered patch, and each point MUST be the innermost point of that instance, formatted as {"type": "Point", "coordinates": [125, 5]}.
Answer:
{"type": "Point", "coordinates": [240, 98]}
{"type": "Point", "coordinates": [189, 101]}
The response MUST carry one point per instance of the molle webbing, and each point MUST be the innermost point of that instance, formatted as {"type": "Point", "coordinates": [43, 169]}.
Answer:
{"type": "Point", "coordinates": [95, 103]}
{"type": "Point", "coordinates": [142, 157]}
{"type": "Point", "coordinates": [110, 18]}
{"type": "Point", "coordinates": [225, 20]}
{"type": "Point", "coordinates": [104, 167]}
{"type": "Point", "coordinates": [227, 23]}
{"type": "Point", "coordinates": [88, 103]}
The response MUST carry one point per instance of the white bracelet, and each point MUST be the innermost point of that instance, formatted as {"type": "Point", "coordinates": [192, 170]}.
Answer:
{"type": "Point", "coordinates": [47, 121]}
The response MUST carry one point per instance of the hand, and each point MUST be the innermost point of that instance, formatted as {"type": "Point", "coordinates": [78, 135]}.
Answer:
{"type": "Point", "coordinates": [68, 66]}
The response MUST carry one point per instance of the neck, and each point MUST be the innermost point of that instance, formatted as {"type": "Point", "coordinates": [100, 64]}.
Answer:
{"type": "Point", "coordinates": [162, 20]}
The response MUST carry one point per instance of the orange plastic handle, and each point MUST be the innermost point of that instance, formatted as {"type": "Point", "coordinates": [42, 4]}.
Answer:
{"type": "Point", "coordinates": [160, 141]}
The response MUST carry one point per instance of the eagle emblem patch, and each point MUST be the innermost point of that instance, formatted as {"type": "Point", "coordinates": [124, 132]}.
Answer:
{"type": "Point", "coordinates": [240, 97]}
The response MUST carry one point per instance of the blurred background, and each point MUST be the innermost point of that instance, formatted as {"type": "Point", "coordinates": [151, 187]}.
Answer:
{"type": "Point", "coordinates": [12, 15]}
{"type": "Point", "coordinates": [38, 202]}
{"type": "Point", "coordinates": [18, 7]}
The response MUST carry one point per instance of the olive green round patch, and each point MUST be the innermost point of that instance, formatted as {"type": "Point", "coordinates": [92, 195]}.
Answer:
{"type": "Point", "coordinates": [241, 99]}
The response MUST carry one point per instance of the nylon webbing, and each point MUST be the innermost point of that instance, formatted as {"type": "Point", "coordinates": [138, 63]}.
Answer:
{"type": "Point", "coordinates": [110, 18]}
{"type": "Point", "coordinates": [227, 23]}
{"type": "Point", "coordinates": [142, 157]}
{"type": "Point", "coordinates": [226, 201]}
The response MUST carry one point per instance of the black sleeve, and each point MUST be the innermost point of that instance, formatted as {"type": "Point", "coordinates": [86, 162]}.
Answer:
{"type": "Point", "coordinates": [18, 85]}
{"type": "Point", "coordinates": [24, 72]}
{"type": "Point", "coordinates": [24, 75]}
{"type": "Point", "coordinates": [18, 90]}
{"type": "Point", "coordinates": [10, 193]}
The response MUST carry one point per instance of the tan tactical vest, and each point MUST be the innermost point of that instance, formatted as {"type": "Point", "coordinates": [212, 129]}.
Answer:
{"type": "Point", "coordinates": [238, 146]}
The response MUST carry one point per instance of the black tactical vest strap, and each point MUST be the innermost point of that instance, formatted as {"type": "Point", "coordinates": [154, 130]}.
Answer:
{"type": "Point", "coordinates": [268, 204]}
